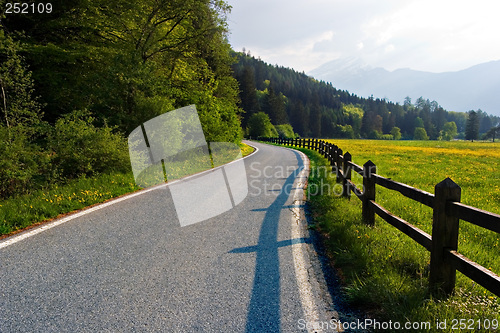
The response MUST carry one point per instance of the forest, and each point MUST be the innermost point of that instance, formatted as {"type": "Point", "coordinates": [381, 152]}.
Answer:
{"type": "Point", "coordinates": [76, 81]}
{"type": "Point", "coordinates": [317, 109]}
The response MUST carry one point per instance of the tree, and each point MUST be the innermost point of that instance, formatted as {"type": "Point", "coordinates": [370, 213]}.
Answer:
{"type": "Point", "coordinates": [419, 122]}
{"type": "Point", "coordinates": [274, 106]}
{"type": "Point", "coordinates": [396, 133]}
{"type": "Point", "coordinates": [315, 117]}
{"type": "Point", "coordinates": [127, 61]}
{"type": "Point", "coordinates": [492, 133]}
{"type": "Point", "coordinates": [259, 124]}
{"type": "Point", "coordinates": [371, 123]}
{"type": "Point", "coordinates": [299, 118]}
{"type": "Point", "coordinates": [19, 106]}
{"type": "Point", "coordinates": [420, 134]}
{"type": "Point", "coordinates": [248, 94]}
{"type": "Point", "coordinates": [449, 131]}
{"type": "Point", "coordinates": [472, 126]}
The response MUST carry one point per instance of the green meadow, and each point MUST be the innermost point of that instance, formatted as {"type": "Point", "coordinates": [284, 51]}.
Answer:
{"type": "Point", "coordinates": [384, 272]}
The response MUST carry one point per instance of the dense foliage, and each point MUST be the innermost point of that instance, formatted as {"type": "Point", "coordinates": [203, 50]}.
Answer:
{"type": "Point", "coordinates": [75, 82]}
{"type": "Point", "coordinates": [317, 109]}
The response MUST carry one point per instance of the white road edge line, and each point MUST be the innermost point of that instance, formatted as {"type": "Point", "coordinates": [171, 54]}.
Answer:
{"type": "Point", "coordinates": [32, 232]}
{"type": "Point", "coordinates": [300, 259]}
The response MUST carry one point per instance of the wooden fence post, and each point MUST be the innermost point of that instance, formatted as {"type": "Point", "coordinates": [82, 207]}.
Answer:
{"type": "Point", "coordinates": [369, 168]}
{"type": "Point", "coordinates": [347, 175]}
{"type": "Point", "coordinates": [338, 164]}
{"type": "Point", "coordinates": [444, 236]}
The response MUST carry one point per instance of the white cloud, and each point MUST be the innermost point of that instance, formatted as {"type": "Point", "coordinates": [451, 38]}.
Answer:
{"type": "Point", "coordinates": [435, 35]}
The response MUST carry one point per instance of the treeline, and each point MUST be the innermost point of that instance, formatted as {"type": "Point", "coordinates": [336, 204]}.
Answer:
{"type": "Point", "coordinates": [75, 82]}
{"type": "Point", "coordinates": [317, 109]}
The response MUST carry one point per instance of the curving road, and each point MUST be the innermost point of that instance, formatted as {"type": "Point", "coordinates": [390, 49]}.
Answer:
{"type": "Point", "coordinates": [130, 267]}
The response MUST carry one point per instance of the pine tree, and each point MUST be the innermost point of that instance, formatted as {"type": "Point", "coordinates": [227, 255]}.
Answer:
{"type": "Point", "coordinates": [315, 117]}
{"type": "Point", "coordinates": [472, 126]}
{"type": "Point", "coordinates": [274, 105]}
{"type": "Point", "coordinates": [248, 94]}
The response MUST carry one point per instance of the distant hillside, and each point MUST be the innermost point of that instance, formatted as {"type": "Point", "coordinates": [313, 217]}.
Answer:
{"type": "Point", "coordinates": [318, 109]}
{"type": "Point", "coordinates": [470, 89]}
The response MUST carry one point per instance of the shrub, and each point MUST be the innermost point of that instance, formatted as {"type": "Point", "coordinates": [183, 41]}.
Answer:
{"type": "Point", "coordinates": [386, 137]}
{"type": "Point", "coordinates": [285, 131]}
{"type": "Point", "coordinates": [22, 164]}
{"type": "Point", "coordinates": [449, 131]}
{"type": "Point", "coordinates": [374, 134]}
{"type": "Point", "coordinates": [396, 133]}
{"type": "Point", "coordinates": [420, 134]}
{"type": "Point", "coordinates": [259, 124]}
{"type": "Point", "coordinates": [80, 148]}
{"type": "Point", "coordinates": [344, 132]}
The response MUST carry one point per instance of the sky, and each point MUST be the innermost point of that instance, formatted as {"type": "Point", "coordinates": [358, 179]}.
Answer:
{"type": "Point", "coordinates": [427, 35]}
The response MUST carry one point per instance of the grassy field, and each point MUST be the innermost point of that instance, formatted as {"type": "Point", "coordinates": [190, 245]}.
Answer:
{"type": "Point", "coordinates": [384, 271]}
{"type": "Point", "coordinates": [24, 211]}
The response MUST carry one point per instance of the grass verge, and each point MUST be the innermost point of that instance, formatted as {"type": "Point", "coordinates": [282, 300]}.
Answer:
{"type": "Point", "coordinates": [384, 272]}
{"type": "Point", "coordinates": [24, 211]}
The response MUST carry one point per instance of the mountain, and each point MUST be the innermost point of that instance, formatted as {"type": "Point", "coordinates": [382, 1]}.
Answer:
{"type": "Point", "coordinates": [473, 88]}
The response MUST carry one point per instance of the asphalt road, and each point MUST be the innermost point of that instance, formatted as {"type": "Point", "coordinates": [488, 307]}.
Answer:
{"type": "Point", "coordinates": [130, 267]}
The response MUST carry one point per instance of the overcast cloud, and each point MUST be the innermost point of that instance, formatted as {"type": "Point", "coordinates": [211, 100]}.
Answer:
{"type": "Point", "coordinates": [430, 35]}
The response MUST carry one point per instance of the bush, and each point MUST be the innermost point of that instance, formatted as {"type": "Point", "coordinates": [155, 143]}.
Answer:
{"type": "Point", "coordinates": [396, 133]}
{"type": "Point", "coordinates": [449, 131]}
{"type": "Point", "coordinates": [374, 134]}
{"type": "Point", "coordinates": [386, 137]}
{"type": "Point", "coordinates": [344, 132]}
{"type": "Point", "coordinates": [285, 131]}
{"type": "Point", "coordinates": [420, 134]}
{"type": "Point", "coordinates": [259, 124]}
{"type": "Point", "coordinates": [80, 148]}
{"type": "Point", "coordinates": [22, 164]}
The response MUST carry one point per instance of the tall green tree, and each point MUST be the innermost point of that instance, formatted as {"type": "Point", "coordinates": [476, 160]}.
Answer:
{"type": "Point", "coordinates": [274, 106]}
{"type": "Point", "coordinates": [472, 126]}
{"type": "Point", "coordinates": [315, 117]}
{"type": "Point", "coordinates": [19, 105]}
{"type": "Point", "coordinates": [248, 94]}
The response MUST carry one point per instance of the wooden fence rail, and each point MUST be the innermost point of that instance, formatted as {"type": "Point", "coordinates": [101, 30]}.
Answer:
{"type": "Point", "coordinates": [447, 211]}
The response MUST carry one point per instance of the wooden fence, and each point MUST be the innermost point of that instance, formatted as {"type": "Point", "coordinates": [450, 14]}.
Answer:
{"type": "Point", "coordinates": [447, 211]}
